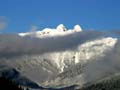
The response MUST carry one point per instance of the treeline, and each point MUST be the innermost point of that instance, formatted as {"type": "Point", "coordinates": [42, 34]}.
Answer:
{"type": "Point", "coordinates": [7, 84]}
{"type": "Point", "coordinates": [113, 83]}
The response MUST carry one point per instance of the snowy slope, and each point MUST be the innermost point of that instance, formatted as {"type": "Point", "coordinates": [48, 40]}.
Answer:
{"type": "Point", "coordinates": [83, 53]}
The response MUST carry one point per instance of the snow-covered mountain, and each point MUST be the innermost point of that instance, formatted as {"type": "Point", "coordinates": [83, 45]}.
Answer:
{"type": "Point", "coordinates": [60, 57]}
{"type": "Point", "coordinates": [48, 32]}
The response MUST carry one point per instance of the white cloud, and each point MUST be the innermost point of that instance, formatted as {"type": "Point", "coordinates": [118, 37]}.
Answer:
{"type": "Point", "coordinates": [44, 45]}
{"type": "Point", "coordinates": [33, 30]}
{"type": "Point", "coordinates": [3, 22]}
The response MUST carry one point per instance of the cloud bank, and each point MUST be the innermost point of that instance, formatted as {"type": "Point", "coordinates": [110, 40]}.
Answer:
{"type": "Point", "coordinates": [12, 45]}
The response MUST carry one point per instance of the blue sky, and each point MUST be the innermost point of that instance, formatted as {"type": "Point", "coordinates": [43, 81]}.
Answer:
{"type": "Point", "coordinates": [21, 15]}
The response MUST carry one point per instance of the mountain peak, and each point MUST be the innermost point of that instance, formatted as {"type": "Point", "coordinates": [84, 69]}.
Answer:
{"type": "Point", "coordinates": [60, 30]}
{"type": "Point", "coordinates": [77, 28]}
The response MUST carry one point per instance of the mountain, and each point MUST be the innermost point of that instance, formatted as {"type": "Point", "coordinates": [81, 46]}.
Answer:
{"type": "Point", "coordinates": [61, 58]}
{"type": "Point", "coordinates": [11, 74]}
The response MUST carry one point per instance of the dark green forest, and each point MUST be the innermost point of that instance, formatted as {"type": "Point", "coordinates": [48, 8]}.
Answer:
{"type": "Point", "coordinates": [111, 83]}
{"type": "Point", "coordinates": [7, 84]}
